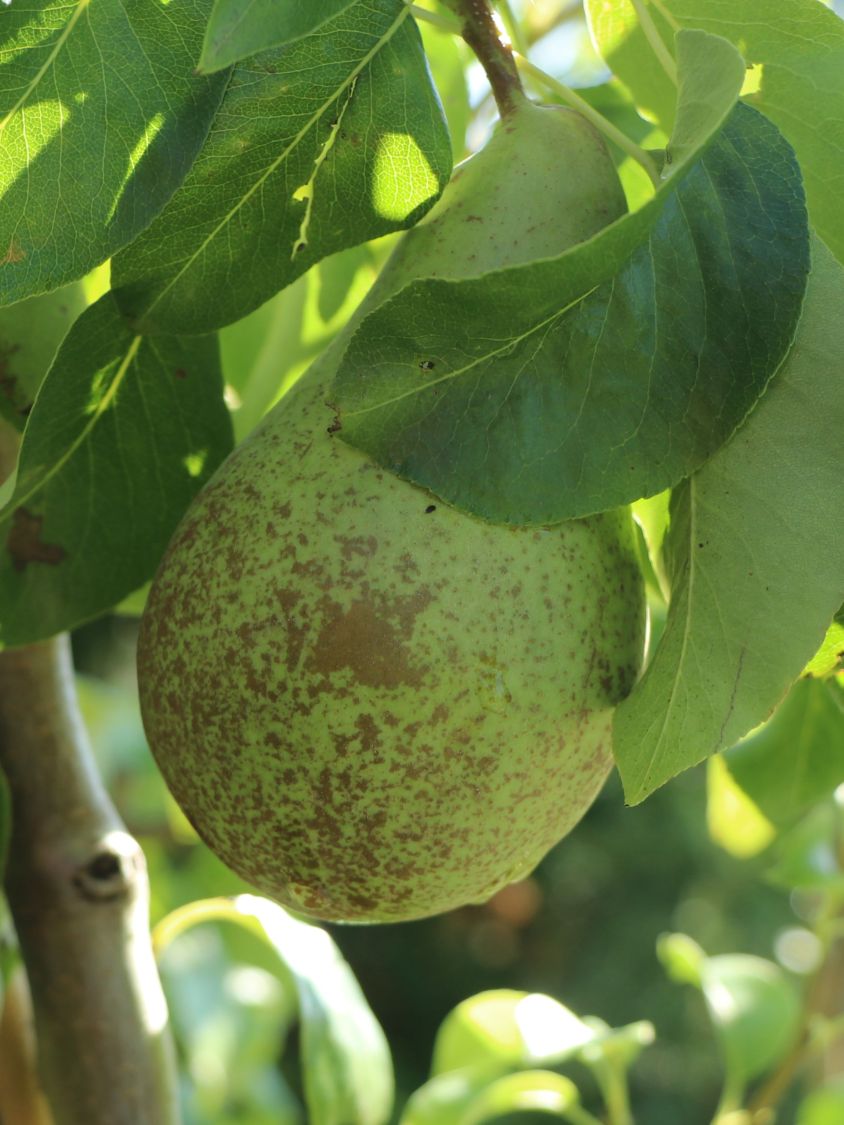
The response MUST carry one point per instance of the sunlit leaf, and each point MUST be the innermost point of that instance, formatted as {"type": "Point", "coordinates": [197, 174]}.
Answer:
{"type": "Point", "coordinates": [124, 432]}
{"type": "Point", "coordinates": [797, 78]}
{"type": "Point", "coordinates": [619, 367]}
{"type": "Point", "coordinates": [830, 656]}
{"type": "Point", "coordinates": [616, 32]}
{"type": "Point", "coordinates": [507, 1028]}
{"type": "Point", "coordinates": [734, 821]}
{"type": "Point", "coordinates": [753, 553]}
{"type": "Point", "coordinates": [317, 146]}
{"type": "Point", "coordinates": [101, 116]}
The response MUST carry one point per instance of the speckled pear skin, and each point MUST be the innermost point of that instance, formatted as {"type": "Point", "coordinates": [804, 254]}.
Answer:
{"type": "Point", "coordinates": [371, 706]}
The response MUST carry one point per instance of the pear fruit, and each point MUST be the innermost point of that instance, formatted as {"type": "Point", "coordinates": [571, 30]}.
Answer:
{"type": "Point", "coordinates": [371, 706]}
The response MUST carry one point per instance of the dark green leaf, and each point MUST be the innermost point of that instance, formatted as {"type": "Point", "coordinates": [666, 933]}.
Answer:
{"type": "Point", "coordinates": [573, 385]}
{"type": "Point", "coordinates": [101, 116]}
{"type": "Point", "coordinates": [317, 146]}
{"type": "Point", "coordinates": [124, 432]}
{"type": "Point", "coordinates": [239, 28]}
{"type": "Point", "coordinates": [797, 78]}
{"type": "Point", "coordinates": [30, 333]}
{"type": "Point", "coordinates": [797, 757]}
{"type": "Point", "coordinates": [754, 558]}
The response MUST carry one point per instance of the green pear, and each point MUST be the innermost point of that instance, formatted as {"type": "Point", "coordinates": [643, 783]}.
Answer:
{"type": "Point", "coordinates": [372, 706]}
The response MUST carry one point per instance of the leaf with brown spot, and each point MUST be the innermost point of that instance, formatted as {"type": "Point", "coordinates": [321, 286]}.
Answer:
{"type": "Point", "coordinates": [114, 450]}
{"type": "Point", "coordinates": [25, 545]}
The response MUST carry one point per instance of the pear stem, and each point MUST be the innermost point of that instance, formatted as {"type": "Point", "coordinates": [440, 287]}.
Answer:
{"type": "Point", "coordinates": [610, 131]}
{"type": "Point", "coordinates": [661, 52]}
{"type": "Point", "coordinates": [621, 140]}
{"type": "Point", "coordinates": [481, 32]}
{"type": "Point", "coordinates": [514, 30]}
{"type": "Point", "coordinates": [442, 23]}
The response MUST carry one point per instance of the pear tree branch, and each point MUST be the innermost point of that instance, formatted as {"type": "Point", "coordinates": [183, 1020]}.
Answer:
{"type": "Point", "coordinates": [78, 893]}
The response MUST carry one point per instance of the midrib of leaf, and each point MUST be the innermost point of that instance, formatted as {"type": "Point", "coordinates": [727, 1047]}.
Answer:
{"type": "Point", "coordinates": [687, 628]}
{"type": "Point", "coordinates": [508, 345]}
{"type": "Point", "coordinates": [102, 406]}
{"type": "Point", "coordinates": [48, 62]}
{"type": "Point", "coordinates": [365, 61]}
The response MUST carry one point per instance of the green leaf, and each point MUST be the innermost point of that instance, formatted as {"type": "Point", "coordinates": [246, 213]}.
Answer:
{"type": "Point", "coordinates": [540, 1090]}
{"type": "Point", "coordinates": [504, 1027]}
{"type": "Point", "coordinates": [753, 1006]}
{"type": "Point", "coordinates": [101, 116]}
{"type": "Point", "coordinates": [806, 856]}
{"type": "Point", "coordinates": [30, 334]}
{"type": "Point", "coordinates": [753, 554]}
{"type": "Point", "coordinates": [124, 432]}
{"type": "Point", "coordinates": [797, 757]}
{"type": "Point", "coordinates": [572, 385]}
{"type": "Point", "coordinates": [320, 145]}
{"type": "Point", "coordinates": [449, 59]}
{"type": "Point", "coordinates": [755, 1010]}
{"type": "Point", "coordinates": [346, 1063]}
{"type": "Point", "coordinates": [617, 34]}
{"type": "Point", "coordinates": [239, 28]}
{"type": "Point", "coordinates": [797, 55]}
